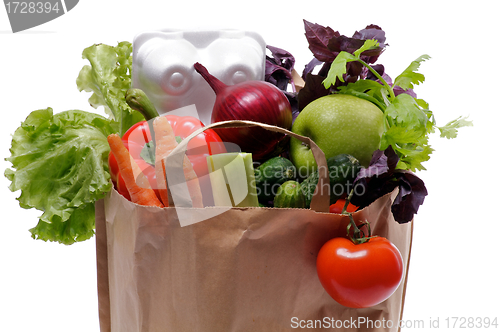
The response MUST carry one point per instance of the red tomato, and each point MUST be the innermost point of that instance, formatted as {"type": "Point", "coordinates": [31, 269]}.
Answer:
{"type": "Point", "coordinates": [339, 205]}
{"type": "Point", "coordinates": [206, 143]}
{"type": "Point", "coordinates": [359, 275]}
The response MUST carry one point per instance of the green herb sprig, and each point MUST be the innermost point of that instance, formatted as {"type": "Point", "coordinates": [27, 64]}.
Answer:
{"type": "Point", "coordinates": [408, 120]}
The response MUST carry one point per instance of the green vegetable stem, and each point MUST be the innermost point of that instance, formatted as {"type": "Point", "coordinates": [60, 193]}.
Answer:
{"type": "Point", "coordinates": [137, 100]}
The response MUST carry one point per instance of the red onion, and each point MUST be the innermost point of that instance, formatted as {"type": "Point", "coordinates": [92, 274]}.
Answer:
{"type": "Point", "coordinates": [251, 100]}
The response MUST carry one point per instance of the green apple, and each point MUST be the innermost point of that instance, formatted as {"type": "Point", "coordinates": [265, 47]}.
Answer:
{"type": "Point", "coordinates": [338, 124]}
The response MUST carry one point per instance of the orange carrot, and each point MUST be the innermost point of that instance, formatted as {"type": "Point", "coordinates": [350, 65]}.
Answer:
{"type": "Point", "coordinates": [136, 182]}
{"type": "Point", "coordinates": [165, 143]}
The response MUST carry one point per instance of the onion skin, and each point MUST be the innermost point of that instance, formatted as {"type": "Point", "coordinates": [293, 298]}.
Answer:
{"type": "Point", "coordinates": [257, 101]}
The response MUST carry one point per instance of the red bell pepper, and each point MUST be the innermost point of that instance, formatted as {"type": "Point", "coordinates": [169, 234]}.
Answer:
{"type": "Point", "coordinates": [139, 135]}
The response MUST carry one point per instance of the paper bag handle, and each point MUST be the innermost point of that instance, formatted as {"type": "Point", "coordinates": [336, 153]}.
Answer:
{"type": "Point", "coordinates": [320, 201]}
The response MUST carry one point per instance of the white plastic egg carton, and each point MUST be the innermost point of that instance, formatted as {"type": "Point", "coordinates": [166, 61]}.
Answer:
{"type": "Point", "coordinates": [163, 66]}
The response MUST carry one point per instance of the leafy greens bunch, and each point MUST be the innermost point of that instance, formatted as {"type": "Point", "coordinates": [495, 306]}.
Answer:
{"type": "Point", "coordinates": [347, 69]}
{"type": "Point", "coordinates": [60, 161]}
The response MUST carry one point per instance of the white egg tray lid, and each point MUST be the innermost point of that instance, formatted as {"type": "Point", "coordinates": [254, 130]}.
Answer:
{"type": "Point", "coordinates": [163, 66]}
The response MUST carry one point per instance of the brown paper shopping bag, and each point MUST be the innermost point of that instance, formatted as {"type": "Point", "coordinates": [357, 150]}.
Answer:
{"type": "Point", "coordinates": [240, 270]}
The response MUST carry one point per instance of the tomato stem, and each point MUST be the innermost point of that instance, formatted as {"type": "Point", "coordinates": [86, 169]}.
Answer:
{"type": "Point", "coordinates": [347, 201]}
{"type": "Point", "coordinates": [358, 235]}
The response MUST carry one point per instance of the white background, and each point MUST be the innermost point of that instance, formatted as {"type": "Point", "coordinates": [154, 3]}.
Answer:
{"type": "Point", "coordinates": [454, 263]}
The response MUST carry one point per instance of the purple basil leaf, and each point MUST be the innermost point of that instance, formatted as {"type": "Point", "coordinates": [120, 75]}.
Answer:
{"type": "Point", "coordinates": [272, 69]}
{"type": "Point", "coordinates": [398, 90]}
{"type": "Point", "coordinates": [314, 87]}
{"type": "Point", "coordinates": [382, 162]}
{"type": "Point", "coordinates": [378, 166]}
{"type": "Point", "coordinates": [294, 103]}
{"type": "Point", "coordinates": [364, 73]}
{"type": "Point", "coordinates": [374, 181]}
{"type": "Point", "coordinates": [278, 71]}
{"type": "Point", "coordinates": [323, 72]}
{"type": "Point", "coordinates": [310, 67]}
{"type": "Point", "coordinates": [354, 71]}
{"type": "Point", "coordinates": [312, 90]}
{"type": "Point", "coordinates": [381, 177]}
{"type": "Point", "coordinates": [380, 69]}
{"type": "Point", "coordinates": [346, 44]}
{"type": "Point", "coordinates": [371, 32]}
{"type": "Point", "coordinates": [279, 67]}
{"type": "Point", "coordinates": [319, 37]}
{"type": "Point", "coordinates": [411, 195]}
{"type": "Point", "coordinates": [350, 45]}
{"type": "Point", "coordinates": [392, 158]}
{"type": "Point", "coordinates": [282, 58]}
{"type": "Point", "coordinates": [368, 190]}
{"type": "Point", "coordinates": [377, 179]}
{"type": "Point", "coordinates": [387, 78]}
{"type": "Point", "coordinates": [277, 75]}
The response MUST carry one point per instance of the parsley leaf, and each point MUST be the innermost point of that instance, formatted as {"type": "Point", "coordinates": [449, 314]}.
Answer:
{"type": "Point", "coordinates": [367, 89]}
{"type": "Point", "coordinates": [370, 44]}
{"type": "Point", "coordinates": [450, 129]}
{"type": "Point", "coordinates": [338, 68]}
{"type": "Point", "coordinates": [409, 77]}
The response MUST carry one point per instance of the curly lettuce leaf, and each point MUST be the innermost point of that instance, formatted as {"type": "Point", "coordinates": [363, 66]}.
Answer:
{"type": "Point", "coordinates": [109, 76]}
{"type": "Point", "coordinates": [60, 166]}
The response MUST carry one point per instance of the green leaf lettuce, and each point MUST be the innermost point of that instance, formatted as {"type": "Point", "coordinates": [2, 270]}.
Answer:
{"type": "Point", "coordinates": [61, 168]}
{"type": "Point", "coordinates": [109, 76]}
{"type": "Point", "coordinates": [59, 161]}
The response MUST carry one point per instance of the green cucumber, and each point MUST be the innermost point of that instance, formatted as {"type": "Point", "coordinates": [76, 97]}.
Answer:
{"type": "Point", "coordinates": [342, 171]}
{"type": "Point", "coordinates": [270, 175]}
{"type": "Point", "coordinates": [290, 195]}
